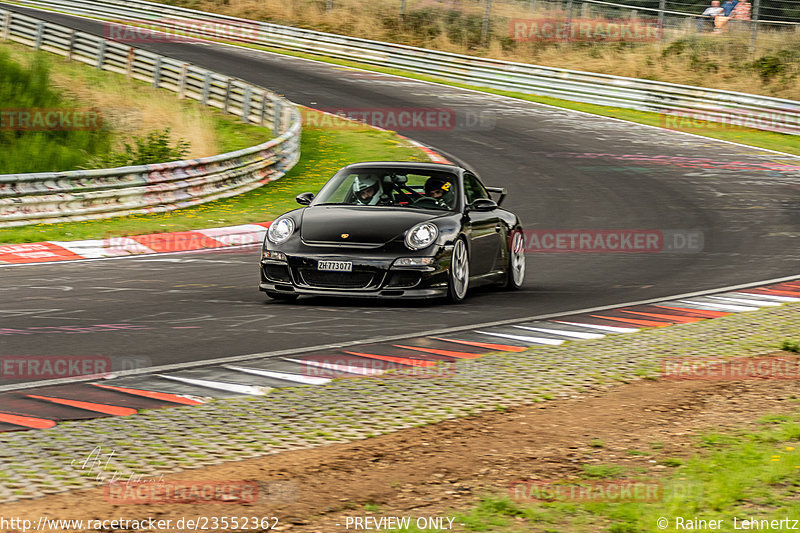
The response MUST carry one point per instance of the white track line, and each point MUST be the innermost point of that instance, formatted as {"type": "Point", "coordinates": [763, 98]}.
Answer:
{"type": "Point", "coordinates": [746, 301]}
{"type": "Point", "coordinates": [220, 385]}
{"type": "Point", "coordinates": [308, 380]}
{"type": "Point", "coordinates": [611, 329]}
{"type": "Point", "coordinates": [523, 338]}
{"type": "Point", "coordinates": [722, 307]}
{"type": "Point", "coordinates": [564, 333]}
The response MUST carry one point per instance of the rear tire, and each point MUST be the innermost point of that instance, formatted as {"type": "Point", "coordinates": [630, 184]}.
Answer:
{"type": "Point", "coordinates": [281, 296]}
{"type": "Point", "coordinates": [458, 276]}
{"type": "Point", "coordinates": [515, 269]}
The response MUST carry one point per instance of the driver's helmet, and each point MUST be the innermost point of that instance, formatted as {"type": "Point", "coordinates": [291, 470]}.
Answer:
{"type": "Point", "coordinates": [440, 188]}
{"type": "Point", "coordinates": [367, 189]}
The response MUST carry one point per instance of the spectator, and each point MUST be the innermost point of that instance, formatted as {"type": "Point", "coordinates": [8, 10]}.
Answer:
{"type": "Point", "coordinates": [721, 21]}
{"type": "Point", "coordinates": [728, 6]}
{"type": "Point", "coordinates": [707, 19]}
{"type": "Point", "coordinates": [741, 11]}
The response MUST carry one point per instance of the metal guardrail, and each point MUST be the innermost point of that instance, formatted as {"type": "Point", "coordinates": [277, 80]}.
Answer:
{"type": "Point", "coordinates": [681, 101]}
{"type": "Point", "coordinates": [89, 194]}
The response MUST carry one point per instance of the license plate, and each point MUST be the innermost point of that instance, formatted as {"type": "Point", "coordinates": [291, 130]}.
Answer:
{"type": "Point", "coordinates": [337, 266]}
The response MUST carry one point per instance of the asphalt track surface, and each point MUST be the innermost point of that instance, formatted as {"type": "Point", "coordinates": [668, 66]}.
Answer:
{"type": "Point", "coordinates": [563, 170]}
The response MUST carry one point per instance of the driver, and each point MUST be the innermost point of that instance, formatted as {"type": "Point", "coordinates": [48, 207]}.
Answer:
{"type": "Point", "coordinates": [367, 190]}
{"type": "Point", "coordinates": [440, 189]}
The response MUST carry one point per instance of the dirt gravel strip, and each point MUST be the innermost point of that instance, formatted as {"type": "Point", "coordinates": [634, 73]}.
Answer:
{"type": "Point", "coordinates": [34, 464]}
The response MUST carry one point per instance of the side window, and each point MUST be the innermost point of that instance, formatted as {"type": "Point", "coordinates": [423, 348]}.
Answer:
{"type": "Point", "coordinates": [473, 189]}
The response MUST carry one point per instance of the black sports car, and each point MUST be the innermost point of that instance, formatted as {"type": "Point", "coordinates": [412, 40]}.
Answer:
{"type": "Point", "coordinates": [394, 229]}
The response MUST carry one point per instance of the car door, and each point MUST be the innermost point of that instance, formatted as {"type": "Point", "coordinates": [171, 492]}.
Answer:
{"type": "Point", "coordinates": [485, 229]}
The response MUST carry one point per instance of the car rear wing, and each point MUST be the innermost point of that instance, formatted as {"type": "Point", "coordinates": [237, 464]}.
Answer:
{"type": "Point", "coordinates": [498, 190]}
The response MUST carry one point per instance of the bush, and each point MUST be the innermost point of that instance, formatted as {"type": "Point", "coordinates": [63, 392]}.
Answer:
{"type": "Point", "coordinates": [791, 346]}
{"type": "Point", "coordinates": [155, 147]}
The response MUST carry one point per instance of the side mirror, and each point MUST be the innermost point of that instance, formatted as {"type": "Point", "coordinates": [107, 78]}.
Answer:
{"type": "Point", "coordinates": [483, 204]}
{"type": "Point", "coordinates": [304, 198]}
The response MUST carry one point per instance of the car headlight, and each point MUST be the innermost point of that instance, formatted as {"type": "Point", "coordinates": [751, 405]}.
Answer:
{"type": "Point", "coordinates": [421, 236]}
{"type": "Point", "coordinates": [280, 230]}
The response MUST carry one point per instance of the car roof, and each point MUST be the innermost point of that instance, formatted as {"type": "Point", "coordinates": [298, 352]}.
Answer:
{"type": "Point", "coordinates": [407, 165]}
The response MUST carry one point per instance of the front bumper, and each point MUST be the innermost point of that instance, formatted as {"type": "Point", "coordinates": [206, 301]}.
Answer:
{"type": "Point", "coordinates": [371, 277]}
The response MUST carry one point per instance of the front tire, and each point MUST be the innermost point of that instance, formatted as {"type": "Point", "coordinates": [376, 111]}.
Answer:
{"type": "Point", "coordinates": [458, 279]}
{"type": "Point", "coordinates": [282, 296]}
{"type": "Point", "coordinates": [515, 270]}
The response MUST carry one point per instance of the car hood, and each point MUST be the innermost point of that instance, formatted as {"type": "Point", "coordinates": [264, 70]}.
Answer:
{"type": "Point", "coordinates": [365, 225]}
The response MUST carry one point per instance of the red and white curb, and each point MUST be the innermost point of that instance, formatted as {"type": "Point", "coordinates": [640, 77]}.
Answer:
{"type": "Point", "coordinates": [180, 241]}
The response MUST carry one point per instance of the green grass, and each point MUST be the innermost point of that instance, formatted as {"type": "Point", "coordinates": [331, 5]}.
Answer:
{"type": "Point", "coordinates": [742, 473]}
{"type": "Point", "coordinates": [324, 152]}
{"type": "Point", "coordinates": [28, 88]}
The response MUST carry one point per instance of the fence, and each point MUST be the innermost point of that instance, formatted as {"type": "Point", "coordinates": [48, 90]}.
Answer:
{"type": "Point", "coordinates": [762, 112]}
{"type": "Point", "coordinates": [89, 194]}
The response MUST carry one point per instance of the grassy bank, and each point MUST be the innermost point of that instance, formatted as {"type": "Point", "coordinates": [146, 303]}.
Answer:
{"type": "Point", "coordinates": [128, 109]}
{"type": "Point", "coordinates": [26, 150]}
{"type": "Point", "coordinates": [749, 473]}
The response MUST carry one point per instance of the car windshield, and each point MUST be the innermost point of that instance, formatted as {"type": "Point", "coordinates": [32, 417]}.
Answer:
{"type": "Point", "coordinates": [397, 187]}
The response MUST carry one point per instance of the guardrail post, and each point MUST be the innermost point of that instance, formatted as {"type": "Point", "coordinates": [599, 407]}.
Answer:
{"type": "Point", "coordinates": [277, 116]}
{"type": "Point", "coordinates": [101, 55]}
{"type": "Point", "coordinates": [485, 28]}
{"type": "Point", "coordinates": [661, 5]}
{"type": "Point", "coordinates": [206, 88]}
{"type": "Point", "coordinates": [754, 19]}
{"type": "Point", "coordinates": [182, 81]}
{"type": "Point", "coordinates": [227, 101]}
{"type": "Point", "coordinates": [39, 36]}
{"type": "Point", "coordinates": [248, 94]}
{"type": "Point", "coordinates": [7, 26]}
{"type": "Point", "coordinates": [568, 24]}
{"type": "Point", "coordinates": [264, 105]}
{"type": "Point", "coordinates": [157, 72]}
{"type": "Point", "coordinates": [71, 45]}
{"type": "Point", "coordinates": [131, 59]}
